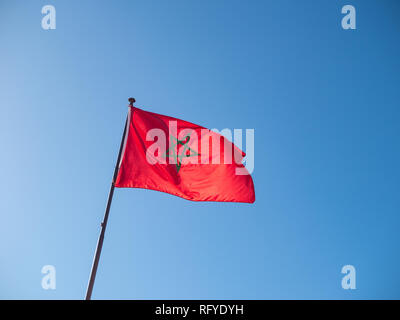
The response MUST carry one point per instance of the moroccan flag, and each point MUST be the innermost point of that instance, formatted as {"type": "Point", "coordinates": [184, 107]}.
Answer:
{"type": "Point", "coordinates": [181, 158]}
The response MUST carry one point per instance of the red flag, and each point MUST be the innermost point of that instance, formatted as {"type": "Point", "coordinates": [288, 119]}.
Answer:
{"type": "Point", "coordinates": [181, 158]}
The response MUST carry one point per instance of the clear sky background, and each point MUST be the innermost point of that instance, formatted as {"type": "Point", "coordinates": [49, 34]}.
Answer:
{"type": "Point", "coordinates": [324, 103]}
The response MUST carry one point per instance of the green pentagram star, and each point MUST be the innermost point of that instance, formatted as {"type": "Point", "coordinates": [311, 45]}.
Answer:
{"type": "Point", "coordinates": [179, 155]}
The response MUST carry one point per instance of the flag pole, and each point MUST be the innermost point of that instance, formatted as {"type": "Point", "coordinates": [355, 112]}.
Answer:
{"type": "Point", "coordinates": [105, 219]}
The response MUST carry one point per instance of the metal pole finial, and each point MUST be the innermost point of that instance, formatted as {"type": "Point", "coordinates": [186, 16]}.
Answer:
{"type": "Point", "coordinates": [131, 101]}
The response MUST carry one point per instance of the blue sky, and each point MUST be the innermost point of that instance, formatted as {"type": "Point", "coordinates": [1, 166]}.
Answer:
{"type": "Point", "coordinates": [324, 105]}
